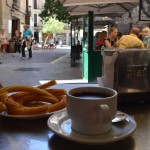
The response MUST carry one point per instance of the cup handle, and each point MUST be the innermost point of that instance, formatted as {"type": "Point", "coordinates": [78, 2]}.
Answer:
{"type": "Point", "coordinates": [104, 114]}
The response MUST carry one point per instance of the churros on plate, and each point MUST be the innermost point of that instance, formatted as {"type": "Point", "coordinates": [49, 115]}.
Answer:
{"type": "Point", "coordinates": [2, 107]}
{"type": "Point", "coordinates": [28, 100]}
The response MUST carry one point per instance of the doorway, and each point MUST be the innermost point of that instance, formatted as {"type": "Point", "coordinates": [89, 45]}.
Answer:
{"type": "Point", "coordinates": [15, 26]}
{"type": "Point", "coordinates": [36, 36]}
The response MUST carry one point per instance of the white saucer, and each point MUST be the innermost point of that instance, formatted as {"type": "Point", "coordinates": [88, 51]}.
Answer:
{"type": "Point", "coordinates": [60, 124]}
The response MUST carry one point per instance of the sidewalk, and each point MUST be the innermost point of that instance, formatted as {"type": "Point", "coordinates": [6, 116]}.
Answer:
{"type": "Point", "coordinates": [45, 65]}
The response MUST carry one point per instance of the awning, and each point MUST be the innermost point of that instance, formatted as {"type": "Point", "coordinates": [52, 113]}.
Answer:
{"type": "Point", "coordinates": [110, 8]}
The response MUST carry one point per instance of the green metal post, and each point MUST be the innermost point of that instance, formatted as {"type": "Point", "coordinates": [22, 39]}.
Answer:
{"type": "Point", "coordinates": [84, 51]}
{"type": "Point", "coordinates": [91, 60]}
{"type": "Point", "coordinates": [90, 45]}
{"type": "Point", "coordinates": [94, 56]}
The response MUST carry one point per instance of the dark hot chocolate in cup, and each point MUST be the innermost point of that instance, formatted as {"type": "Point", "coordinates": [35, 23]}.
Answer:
{"type": "Point", "coordinates": [91, 109]}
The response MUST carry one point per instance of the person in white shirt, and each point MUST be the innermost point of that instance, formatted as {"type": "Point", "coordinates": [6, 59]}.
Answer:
{"type": "Point", "coordinates": [146, 36]}
{"type": "Point", "coordinates": [3, 41]}
{"type": "Point", "coordinates": [50, 43]}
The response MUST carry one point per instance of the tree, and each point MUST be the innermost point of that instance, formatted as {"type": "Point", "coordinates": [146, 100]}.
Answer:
{"type": "Point", "coordinates": [53, 26]}
{"type": "Point", "coordinates": [55, 9]}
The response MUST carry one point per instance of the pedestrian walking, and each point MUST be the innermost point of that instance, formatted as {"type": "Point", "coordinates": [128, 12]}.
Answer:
{"type": "Point", "coordinates": [3, 41]}
{"type": "Point", "coordinates": [51, 44]}
{"type": "Point", "coordinates": [17, 42]}
{"type": "Point", "coordinates": [27, 41]}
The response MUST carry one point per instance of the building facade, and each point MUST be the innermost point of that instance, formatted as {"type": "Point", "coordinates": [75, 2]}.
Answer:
{"type": "Point", "coordinates": [13, 15]}
{"type": "Point", "coordinates": [38, 23]}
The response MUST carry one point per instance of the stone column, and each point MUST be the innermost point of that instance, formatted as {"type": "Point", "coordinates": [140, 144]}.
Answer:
{"type": "Point", "coordinates": [67, 39]}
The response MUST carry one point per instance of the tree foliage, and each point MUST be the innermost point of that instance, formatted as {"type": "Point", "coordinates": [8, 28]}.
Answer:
{"type": "Point", "coordinates": [55, 9]}
{"type": "Point", "coordinates": [52, 26]}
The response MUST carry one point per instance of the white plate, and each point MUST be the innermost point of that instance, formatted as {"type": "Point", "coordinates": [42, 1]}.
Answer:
{"type": "Point", "coordinates": [28, 117]}
{"type": "Point", "coordinates": [60, 124]}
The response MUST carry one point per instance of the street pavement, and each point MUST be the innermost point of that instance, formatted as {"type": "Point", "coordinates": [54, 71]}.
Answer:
{"type": "Point", "coordinates": [45, 65]}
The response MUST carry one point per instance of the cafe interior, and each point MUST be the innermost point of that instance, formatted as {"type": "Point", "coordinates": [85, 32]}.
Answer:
{"type": "Point", "coordinates": [67, 123]}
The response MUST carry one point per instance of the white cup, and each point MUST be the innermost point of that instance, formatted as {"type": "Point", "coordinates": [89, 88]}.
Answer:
{"type": "Point", "coordinates": [89, 114]}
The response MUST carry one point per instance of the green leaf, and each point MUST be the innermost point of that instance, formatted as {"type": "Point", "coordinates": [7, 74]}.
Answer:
{"type": "Point", "coordinates": [53, 26]}
{"type": "Point", "coordinates": [55, 9]}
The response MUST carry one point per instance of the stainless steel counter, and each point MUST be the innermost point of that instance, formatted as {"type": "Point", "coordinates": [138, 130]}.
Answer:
{"type": "Point", "coordinates": [35, 135]}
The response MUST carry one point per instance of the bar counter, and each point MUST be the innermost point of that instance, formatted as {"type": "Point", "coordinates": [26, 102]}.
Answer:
{"type": "Point", "coordinates": [17, 134]}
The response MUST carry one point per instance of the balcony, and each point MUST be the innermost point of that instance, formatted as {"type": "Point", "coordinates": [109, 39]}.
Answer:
{"type": "Point", "coordinates": [28, 11]}
{"type": "Point", "coordinates": [15, 5]}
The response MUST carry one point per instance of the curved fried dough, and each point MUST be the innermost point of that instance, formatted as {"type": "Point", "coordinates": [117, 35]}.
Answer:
{"type": "Point", "coordinates": [55, 92]}
{"type": "Point", "coordinates": [37, 98]}
{"type": "Point", "coordinates": [25, 88]}
{"type": "Point", "coordinates": [58, 106]}
{"type": "Point", "coordinates": [19, 95]}
{"type": "Point", "coordinates": [3, 97]}
{"type": "Point", "coordinates": [48, 84]}
{"type": "Point", "coordinates": [15, 104]}
{"type": "Point", "coordinates": [2, 107]}
{"type": "Point", "coordinates": [15, 108]}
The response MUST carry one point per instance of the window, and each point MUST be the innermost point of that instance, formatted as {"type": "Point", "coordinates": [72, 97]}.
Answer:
{"type": "Point", "coordinates": [35, 4]}
{"type": "Point", "coordinates": [15, 1]}
{"type": "Point", "coordinates": [35, 20]}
